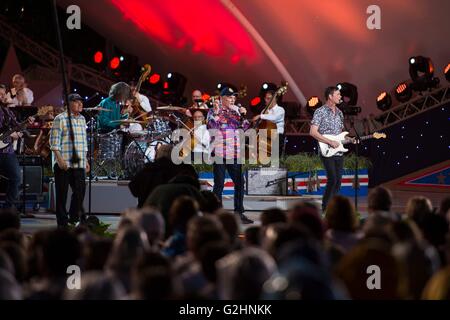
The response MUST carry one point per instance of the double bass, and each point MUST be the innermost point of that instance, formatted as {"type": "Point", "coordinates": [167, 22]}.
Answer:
{"type": "Point", "coordinates": [138, 112]}
{"type": "Point", "coordinates": [269, 126]}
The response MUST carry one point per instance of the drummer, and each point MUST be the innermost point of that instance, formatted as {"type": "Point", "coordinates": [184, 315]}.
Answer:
{"type": "Point", "coordinates": [119, 110]}
{"type": "Point", "coordinates": [197, 102]}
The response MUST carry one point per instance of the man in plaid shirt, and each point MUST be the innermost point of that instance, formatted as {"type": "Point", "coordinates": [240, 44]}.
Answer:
{"type": "Point", "coordinates": [66, 171]}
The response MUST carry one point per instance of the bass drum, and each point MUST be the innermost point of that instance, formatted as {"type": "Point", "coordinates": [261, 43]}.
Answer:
{"type": "Point", "coordinates": [138, 153]}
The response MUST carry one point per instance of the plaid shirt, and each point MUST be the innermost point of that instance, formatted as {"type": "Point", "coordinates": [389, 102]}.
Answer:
{"type": "Point", "coordinates": [60, 138]}
{"type": "Point", "coordinates": [7, 121]}
{"type": "Point", "coordinates": [227, 144]}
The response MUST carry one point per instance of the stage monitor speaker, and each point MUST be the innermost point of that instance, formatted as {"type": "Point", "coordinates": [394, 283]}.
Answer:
{"type": "Point", "coordinates": [267, 181]}
{"type": "Point", "coordinates": [33, 179]}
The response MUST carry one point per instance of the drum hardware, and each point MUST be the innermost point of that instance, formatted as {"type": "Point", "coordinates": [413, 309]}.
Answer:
{"type": "Point", "coordinates": [96, 109]}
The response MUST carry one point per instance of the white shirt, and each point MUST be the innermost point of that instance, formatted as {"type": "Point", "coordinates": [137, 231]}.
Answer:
{"type": "Point", "coordinates": [275, 115]}
{"type": "Point", "coordinates": [202, 138]}
{"type": "Point", "coordinates": [13, 102]}
{"type": "Point", "coordinates": [144, 102]}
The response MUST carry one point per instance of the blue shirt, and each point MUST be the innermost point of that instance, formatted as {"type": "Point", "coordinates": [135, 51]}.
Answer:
{"type": "Point", "coordinates": [105, 118]}
{"type": "Point", "coordinates": [327, 121]}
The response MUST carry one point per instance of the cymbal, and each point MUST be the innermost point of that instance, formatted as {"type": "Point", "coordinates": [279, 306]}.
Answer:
{"type": "Point", "coordinates": [97, 109]}
{"type": "Point", "coordinates": [171, 108]}
{"type": "Point", "coordinates": [129, 121]}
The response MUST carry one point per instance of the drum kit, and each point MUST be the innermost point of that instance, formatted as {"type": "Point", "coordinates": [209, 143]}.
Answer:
{"type": "Point", "coordinates": [121, 153]}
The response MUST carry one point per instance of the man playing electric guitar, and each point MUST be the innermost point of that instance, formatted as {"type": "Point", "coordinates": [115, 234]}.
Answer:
{"type": "Point", "coordinates": [328, 119]}
{"type": "Point", "coordinates": [9, 164]}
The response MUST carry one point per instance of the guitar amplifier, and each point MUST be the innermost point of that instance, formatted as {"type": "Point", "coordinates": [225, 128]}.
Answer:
{"type": "Point", "coordinates": [267, 181]}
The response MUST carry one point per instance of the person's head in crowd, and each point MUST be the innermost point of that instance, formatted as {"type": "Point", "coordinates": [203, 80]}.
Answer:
{"type": "Point", "coordinates": [96, 285]}
{"type": "Point", "coordinates": [185, 179]}
{"type": "Point", "coordinates": [151, 221]}
{"type": "Point", "coordinates": [405, 231]}
{"type": "Point", "coordinates": [341, 215]}
{"type": "Point", "coordinates": [444, 208]}
{"type": "Point", "coordinates": [182, 210]}
{"type": "Point", "coordinates": [252, 236]}
{"type": "Point", "coordinates": [272, 215]}
{"type": "Point", "coordinates": [60, 249]}
{"type": "Point", "coordinates": [163, 151]}
{"type": "Point", "coordinates": [353, 270]}
{"type": "Point", "coordinates": [211, 202]}
{"type": "Point", "coordinates": [15, 236]}
{"type": "Point", "coordinates": [418, 208]}
{"type": "Point", "coordinates": [379, 199]}
{"type": "Point", "coordinates": [18, 258]}
{"type": "Point", "coordinates": [130, 243]}
{"type": "Point", "coordinates": [9, 288]}
{"type": "Point", "coordinates": [230, 226]}
{"type": "Point", "coordinates": [278, 234]}
{"type": "Point", "coordinates": [6, 263]}
{"type": "Point", "coordinates": [435, 228]}
{"type": "Point", "coordinates": [377, 226]}
{"type": "Point", "coordinates": [209, 255]}
{"type": "Point", "coordinates": [154, 283]}
{"type": "Point", "coordinates": [307, 214]}
{"type": "Point", "coordinates": [416, 264]}
{"type": "Point", "coordinates": [96, 253]}
{"type": "Point", "coordinates": [302, 274]}
{"type": "Point", "coordinates": [438, 287]}
{"type": "Point", "coordinates": [242, 274]}
{"type": "Point", "coordinates": [9, 218]}
{"type": "Point", "coordinates": [202, 230]}
{"type": "Point", "coordinates": [151, 259]}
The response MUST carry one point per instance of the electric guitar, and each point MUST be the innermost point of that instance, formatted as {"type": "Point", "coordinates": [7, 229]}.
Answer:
{"type": "Point", "coordinates": [5, 139]}
{"type": "Point", "coordinates": [328, 151]}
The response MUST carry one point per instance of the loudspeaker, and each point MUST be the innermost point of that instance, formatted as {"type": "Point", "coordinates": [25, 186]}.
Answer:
{"type": "Point", "coordinates": [33, 179]}
{"type": "Point", "coordinates": [267, 181]}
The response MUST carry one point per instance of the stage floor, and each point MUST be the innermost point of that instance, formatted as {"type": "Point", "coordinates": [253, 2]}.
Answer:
{"type": "Point", "coordinates": [47, 220]}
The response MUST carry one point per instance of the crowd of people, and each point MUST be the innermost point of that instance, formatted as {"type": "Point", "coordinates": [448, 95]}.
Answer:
{"type": "Point", "coordinates": [181, 244]}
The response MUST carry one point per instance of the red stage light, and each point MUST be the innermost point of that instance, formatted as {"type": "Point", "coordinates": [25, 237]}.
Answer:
{"type": "Point", "coordinates": [255, 101]}
{"type": "Point", "coordinates": [114, 63]}
{"type": "Point", "coordinates": [401, 87]}
{"type": "Point", "coordinates": [206, 97]}
{"type": "Point", "coordinates": [154, 78]}
{"type": "Point", "coordinates": [166, 85]}
{"type": "Point", "coordinates": [98, 57]}
{"type": "Point", "coordinates": [313, 102]}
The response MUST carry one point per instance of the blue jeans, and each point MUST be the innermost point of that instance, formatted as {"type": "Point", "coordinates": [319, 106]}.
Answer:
{"type": "Point", "coordinates": [10, 167]}
{"type": "Point", "coordinates": [236, 174]}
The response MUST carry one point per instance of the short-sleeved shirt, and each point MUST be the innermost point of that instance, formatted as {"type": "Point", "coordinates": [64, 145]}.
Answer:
{"type": "Point", "coordinates": [327, 121]}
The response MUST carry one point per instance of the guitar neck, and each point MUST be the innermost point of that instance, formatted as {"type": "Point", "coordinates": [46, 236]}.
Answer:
{"type": "Point", "coordinates": [360, 138]}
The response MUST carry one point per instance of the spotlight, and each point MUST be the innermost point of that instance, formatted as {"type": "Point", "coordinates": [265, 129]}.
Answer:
{"type": "Point", "coordinates": [169, 75]}
{"type": "Point", "coordinates": [154, 78]}
{"type": "Point", "coordinates": [114, 63]}
{"type": "Point", "coordinates": [312, 104]}
{"type": "Point", "coordinates": [98, 57]}
{"type": "Point", "coordinates": [384, 101]}
{"type": "Point", "coordinates": [268, 86]}
{"type": "Point", "coordinates": [121, 58]}
{"type": "Point", "coordinates": [349, 93]}
{"type": "Point", "coordinates": [255, 101]}
{"type": "Point", "coordinates": [421, 70]}
{"type": "Point", "coordinates": [403, 92]}
{"type": "Point", "coordinates": [222, 85]}
{"type": "Point", "coordinates": [447, 72]}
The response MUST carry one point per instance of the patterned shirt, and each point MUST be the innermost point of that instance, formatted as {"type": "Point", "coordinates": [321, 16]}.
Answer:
{"type": "Point", "coordinates": [327, 121]}
{"type": "Point", "coordinates": [60, 138]}
{"type": "Point", "coordinates": [7, 121]}
{"type": "Point", "coordinates": [105, 118]}
{"type": "Point", "coordinates": [227, 144]}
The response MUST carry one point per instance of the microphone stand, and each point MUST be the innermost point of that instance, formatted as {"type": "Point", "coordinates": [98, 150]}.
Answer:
{"type": "Point", "coordinates": [356, 176]}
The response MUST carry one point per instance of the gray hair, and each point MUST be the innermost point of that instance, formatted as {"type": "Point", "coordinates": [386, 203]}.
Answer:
{"type": "Point", "coordinates": [120, 91]}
